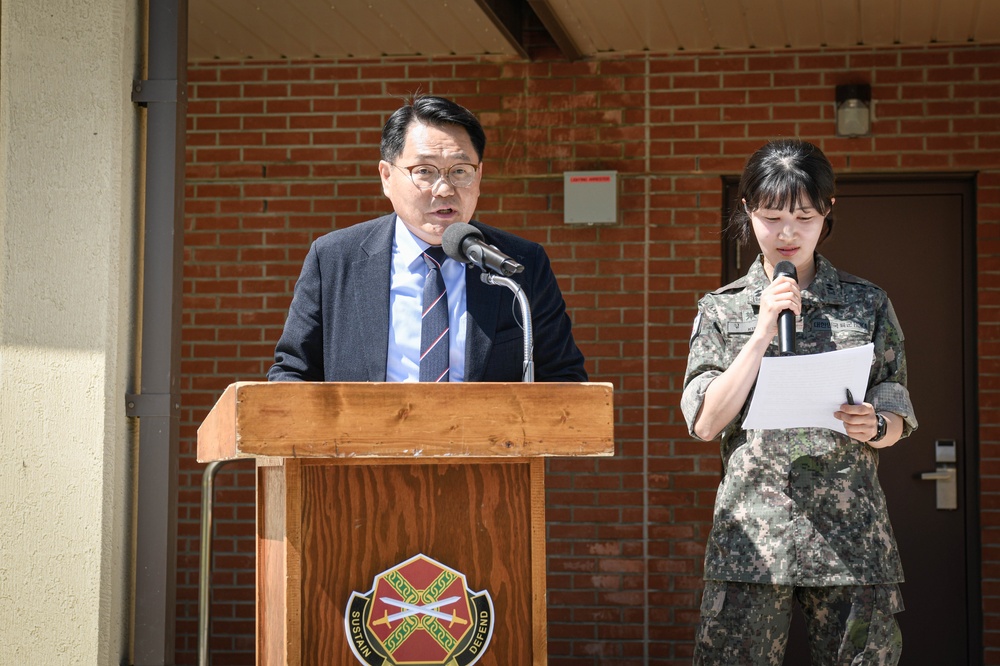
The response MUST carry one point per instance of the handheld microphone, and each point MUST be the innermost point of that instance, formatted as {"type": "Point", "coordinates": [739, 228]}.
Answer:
{"type": "Point", "coordinates": [786, 319]}
{"type": "Point", "coordinates": [463, 242]}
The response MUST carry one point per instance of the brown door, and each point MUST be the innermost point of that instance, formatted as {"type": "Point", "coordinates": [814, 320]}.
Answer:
{"type": "Point", "coordinates": [914, 237]}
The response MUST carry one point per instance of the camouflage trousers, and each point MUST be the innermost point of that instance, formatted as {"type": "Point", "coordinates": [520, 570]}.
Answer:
{"type": "Point", "coordinates": [745, 624]}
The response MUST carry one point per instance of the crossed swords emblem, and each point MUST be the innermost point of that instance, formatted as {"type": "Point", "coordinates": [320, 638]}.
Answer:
{"type": "Point", "coordinates": [415, 609]}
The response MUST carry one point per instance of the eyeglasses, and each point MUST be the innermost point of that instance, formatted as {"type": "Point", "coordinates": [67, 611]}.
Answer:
{"type": "Point", "coordinates": [426, 176]}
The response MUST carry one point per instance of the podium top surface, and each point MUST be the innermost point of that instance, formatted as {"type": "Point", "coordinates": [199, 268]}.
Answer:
{"type": "Point", "coordinates": [408, 421]}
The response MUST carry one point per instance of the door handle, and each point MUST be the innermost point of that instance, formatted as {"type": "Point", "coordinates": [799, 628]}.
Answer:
{"type": "Point", "coordinates": [946, 479]}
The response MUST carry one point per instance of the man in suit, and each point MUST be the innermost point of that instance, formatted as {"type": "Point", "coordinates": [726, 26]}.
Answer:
{"type": "Point", "coordinates": [357, 306]}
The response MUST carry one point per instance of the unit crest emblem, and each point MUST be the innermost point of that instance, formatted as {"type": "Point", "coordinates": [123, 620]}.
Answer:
{"type": "Point", "coordinates": [419, 613]}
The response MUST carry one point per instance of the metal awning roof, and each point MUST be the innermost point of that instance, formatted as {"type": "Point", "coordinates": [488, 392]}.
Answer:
{"type": "Point", "coordinates": [303, 29]}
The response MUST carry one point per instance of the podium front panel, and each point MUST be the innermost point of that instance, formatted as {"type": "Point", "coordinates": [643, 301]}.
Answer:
{"type": "Point", "coordinates": [357, 521]}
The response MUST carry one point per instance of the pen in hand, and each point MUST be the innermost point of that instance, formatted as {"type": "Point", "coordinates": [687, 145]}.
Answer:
{"type": "Point", "coordinates": [850, 398]}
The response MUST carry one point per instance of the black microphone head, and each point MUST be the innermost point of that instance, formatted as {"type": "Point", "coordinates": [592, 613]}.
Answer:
{"type": "Point", "coordinates": [783, 268]}
{"type": "Point", "coordinates": [453, 238]}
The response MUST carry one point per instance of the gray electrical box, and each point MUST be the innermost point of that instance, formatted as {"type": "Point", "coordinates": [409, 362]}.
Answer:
{"type": "Point", "coordinates": [591, 197]}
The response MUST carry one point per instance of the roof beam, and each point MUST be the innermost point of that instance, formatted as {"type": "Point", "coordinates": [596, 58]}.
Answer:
{"type": "Point", "coordinates": [550, 19]}
{"type": "Point", "coordinates": [507, 17]}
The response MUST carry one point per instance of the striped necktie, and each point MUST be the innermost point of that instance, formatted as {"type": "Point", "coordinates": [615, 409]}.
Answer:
{"type": "Point", "coordinates": [434, 361]}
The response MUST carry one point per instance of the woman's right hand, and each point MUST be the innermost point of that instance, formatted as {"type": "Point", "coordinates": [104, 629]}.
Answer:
{"type": "Point", "coordinates": [728, 392]}
{"type": "Point", "coordinates": [782, 294]}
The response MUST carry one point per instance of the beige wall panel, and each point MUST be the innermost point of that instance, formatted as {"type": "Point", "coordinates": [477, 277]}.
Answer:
{"type": "Point", "coordinates": [67, 244]}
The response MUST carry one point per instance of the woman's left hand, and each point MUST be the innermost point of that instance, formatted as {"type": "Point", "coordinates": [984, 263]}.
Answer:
{"type": "Point", "coordinates": [859, 420]}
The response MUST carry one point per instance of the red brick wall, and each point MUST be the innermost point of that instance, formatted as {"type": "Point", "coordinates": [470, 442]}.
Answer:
{"type": "Point", "coordinates": [280, 153]}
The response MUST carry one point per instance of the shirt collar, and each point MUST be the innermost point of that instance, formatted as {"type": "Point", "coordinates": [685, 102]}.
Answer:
{"type": "Point", "coordinates": [407, 246]}
{"type": "Point", "coordinates": [825, 287]}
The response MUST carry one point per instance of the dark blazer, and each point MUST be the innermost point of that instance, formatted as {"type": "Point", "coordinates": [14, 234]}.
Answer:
{"type": "Point", "coordinates": [338, 323]}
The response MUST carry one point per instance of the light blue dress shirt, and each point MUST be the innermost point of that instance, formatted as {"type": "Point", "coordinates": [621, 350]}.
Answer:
{"type": "Point", "coordinates": [406, 290]}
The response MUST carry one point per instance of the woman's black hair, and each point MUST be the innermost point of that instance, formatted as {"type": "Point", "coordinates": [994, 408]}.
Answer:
{"type": "Point", "coordinates": [432, 111]}
{"type": "Point", "coordinates": [783, 174]}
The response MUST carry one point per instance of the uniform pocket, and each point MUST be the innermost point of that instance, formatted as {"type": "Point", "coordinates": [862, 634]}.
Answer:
{"type": "Point", "coordinates": [713, 598]}
{"type": "Point", "coordinates": [889, 599]}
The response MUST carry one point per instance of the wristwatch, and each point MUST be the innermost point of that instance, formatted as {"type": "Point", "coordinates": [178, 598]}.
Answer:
{"type": "Point", "coordinates": [879, 427]}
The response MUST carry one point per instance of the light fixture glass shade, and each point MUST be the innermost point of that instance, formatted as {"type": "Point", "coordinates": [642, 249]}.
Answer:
{"type": "Point", "coordinates": [854, 110]}
{"type": "Point", "coordinates": [853, 119]}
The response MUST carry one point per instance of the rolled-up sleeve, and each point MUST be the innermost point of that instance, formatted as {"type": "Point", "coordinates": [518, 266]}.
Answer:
{"type": "Point", "coordinates": [706, 359]}
{"type": "Point", "coordinates": [887, 383]}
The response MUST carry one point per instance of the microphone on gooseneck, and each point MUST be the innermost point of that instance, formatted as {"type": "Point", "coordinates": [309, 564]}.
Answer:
{"type": "Point", "coordinates": [464, 243]}
{"type": "Point", "coordinates": [786, 319]}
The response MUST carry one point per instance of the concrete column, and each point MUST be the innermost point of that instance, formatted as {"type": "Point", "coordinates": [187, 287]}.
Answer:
{"type": "Point", "coordinates": [68, 261]}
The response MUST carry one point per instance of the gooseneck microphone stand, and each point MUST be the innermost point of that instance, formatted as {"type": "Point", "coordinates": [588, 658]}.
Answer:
{"type": "Point", "coordinates": [464, 243]}
{"type": "Point", "coordinates": [528, 368]}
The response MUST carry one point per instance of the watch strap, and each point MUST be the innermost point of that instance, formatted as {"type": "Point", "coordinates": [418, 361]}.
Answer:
{"type": "Point", "coordinates": [880, 427]}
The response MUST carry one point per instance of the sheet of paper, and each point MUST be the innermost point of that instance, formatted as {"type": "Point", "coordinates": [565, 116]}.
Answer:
{"type": "Point", "coordinates": [805, 391]}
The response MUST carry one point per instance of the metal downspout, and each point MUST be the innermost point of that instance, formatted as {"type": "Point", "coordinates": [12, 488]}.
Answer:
{"type": "Point", "coordinates": [157, 404]}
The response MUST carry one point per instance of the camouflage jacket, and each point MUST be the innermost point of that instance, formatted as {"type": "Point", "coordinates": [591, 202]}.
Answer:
{"type": "Point", "coordinates": [803, 506]}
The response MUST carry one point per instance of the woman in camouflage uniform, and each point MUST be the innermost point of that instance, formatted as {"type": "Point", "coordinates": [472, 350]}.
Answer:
{"type": "Point", "coordinates": [799, 513]}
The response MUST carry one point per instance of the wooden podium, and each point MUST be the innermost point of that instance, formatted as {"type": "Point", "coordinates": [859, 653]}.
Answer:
{"type": "Point", "coordinates": [355, 478]}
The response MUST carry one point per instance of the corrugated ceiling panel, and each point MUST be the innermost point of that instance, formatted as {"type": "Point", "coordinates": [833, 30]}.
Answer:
{"type": "Point", "coordinates": [659, 32]}
{"type": "Point", "coordinates": [691, 26]}
{"type": "Point", "coordinates": [236, 29]}
{"type": "Point", "coordinates": [919, 19]}
{"type": "Point", "coordinates": [626, 19]}
{"type": "Point", "coordinates": [587, 23]}
{"type": "Point", "coordinates": [955, 24]}
{"type": "Point", "coordinates": [879, 23]}
{"type": "Point", "coordinates": [358, 29]}
{"type": "Point", "coordinates": [766, 23]}
{"type": "Point", "coordinates": [280, 29]}
{"type": "Point", "coordinates": [273, 29]}
{"type": "Point", "coordinates": [213, 33]}
{"type": "Point", "coordinates": [840, 22]}
{"type": "Point", "coordinates": [986, 24]}
{"type": "Point", "coordinates": [804, 21]}
{"type": "Point", "coordinates": [726, 23]}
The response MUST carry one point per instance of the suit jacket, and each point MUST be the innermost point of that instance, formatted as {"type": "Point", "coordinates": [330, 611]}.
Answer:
{"type": "Point", "coordinates": [338, 323]}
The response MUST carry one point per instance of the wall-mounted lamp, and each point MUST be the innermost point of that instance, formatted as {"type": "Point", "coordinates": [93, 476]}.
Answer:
{"type": "Point", "coordinates": [854, 110]}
